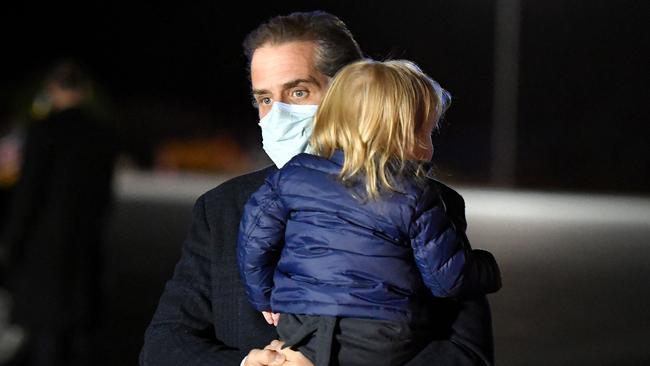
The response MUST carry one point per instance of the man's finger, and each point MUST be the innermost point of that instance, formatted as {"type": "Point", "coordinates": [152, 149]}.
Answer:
{"type": "Point", "coordinates": [271, 346]}
{"type": "Point", "coordinates": [264, 357]}
{"type": "Point", "coordinates": [276, 344]}
{"type": "Point", "coordinates": [296, 358]}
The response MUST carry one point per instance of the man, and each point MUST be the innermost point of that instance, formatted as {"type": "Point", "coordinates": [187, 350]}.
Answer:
{"type": "Point", "coordinates": [52, 239]}
{"type": "Point", "coordinates": [203, 317]}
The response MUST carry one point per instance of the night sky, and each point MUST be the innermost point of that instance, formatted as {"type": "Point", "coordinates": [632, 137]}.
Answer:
{"type": "Point", "coordinates": [178, 71]}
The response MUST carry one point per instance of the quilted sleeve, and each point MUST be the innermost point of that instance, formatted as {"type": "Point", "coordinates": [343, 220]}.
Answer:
{"type": "Point", "coordinates": [437, 246]}
{"type": "Point", "coordinates": [260, 241]}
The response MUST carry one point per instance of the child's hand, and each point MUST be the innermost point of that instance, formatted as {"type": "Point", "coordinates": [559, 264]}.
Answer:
{"type": "Point", "coordinates": [271, 318]}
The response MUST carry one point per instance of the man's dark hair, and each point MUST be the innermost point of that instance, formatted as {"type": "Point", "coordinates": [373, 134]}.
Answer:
{"type": "Point", "coordinates": [335, 45]}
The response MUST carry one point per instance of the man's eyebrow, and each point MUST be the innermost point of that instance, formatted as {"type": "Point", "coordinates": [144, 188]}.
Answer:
{"type": "Point", "coordinates": [288, 85]}
{"type": "Point", "coordinates": [260, 91]}
{"type": "Point", "coordinates": [293, 83]}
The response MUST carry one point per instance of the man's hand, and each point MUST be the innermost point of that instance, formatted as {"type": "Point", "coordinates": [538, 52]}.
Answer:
{"type": "Point", "coordinates": [274, 355]}
{"type": "Point", "coordinates": [264, 357]}
{"type": "Point", "coordinates": [293, 358]}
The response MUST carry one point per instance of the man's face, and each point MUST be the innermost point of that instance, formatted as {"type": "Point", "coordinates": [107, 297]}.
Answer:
{"type": "Point", "coordinates": [286, 73]}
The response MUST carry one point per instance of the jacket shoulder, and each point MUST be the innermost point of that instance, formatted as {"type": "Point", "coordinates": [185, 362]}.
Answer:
{"type": "Point", "coordinates": [239, 188]}
{"type": "Point", "coordinates": [310, 161]}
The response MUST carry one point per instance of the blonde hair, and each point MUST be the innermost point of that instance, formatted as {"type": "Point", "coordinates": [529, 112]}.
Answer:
{"type": "Point", "coordinates": [373, 111]}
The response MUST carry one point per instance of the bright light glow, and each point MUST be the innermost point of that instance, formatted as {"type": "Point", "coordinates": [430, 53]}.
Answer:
{"type": "Point", "coordinates": [548, 206]}
{"type": "Point", "coordinates": [479, 202]}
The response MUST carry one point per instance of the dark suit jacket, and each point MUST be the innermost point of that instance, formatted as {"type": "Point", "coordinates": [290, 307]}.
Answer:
{"type": "Point", "coordinates": [204, 317]}
{"type": "Point", "coordinates": [55, 221]}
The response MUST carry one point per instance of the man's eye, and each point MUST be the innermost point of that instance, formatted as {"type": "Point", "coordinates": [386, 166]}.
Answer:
{"type": "Point", "coordinates": [259, 100]}
{"type": "Point", "coordinates": [299, 93]}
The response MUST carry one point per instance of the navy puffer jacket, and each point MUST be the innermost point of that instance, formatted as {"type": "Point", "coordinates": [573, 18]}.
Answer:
{"type": "Point", "coordinates": [308, 246]}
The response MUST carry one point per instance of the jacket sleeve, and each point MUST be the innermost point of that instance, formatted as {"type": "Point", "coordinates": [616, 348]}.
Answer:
{"type": "Point", "coordinates": [443, 252]}
{"type": "Point", "coordinates": [482, 274]}
{"type": "Point", "coordinates": [181, 332]}
{"type": "Point", "coordinates": [467, 339]}
{"type": "Point", "coordinates": [437, 246]}
{"type": "Point", "coordinates": [261, 237]}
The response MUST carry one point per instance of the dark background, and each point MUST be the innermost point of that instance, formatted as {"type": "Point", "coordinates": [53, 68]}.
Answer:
{"type": "Point", "coordinates": [177, 70]}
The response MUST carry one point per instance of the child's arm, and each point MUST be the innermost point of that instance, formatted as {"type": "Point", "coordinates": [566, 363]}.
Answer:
{"type": "Point", "coordinates": [482, 274]}
{"type": "Point", "coordinates": [443, 253]}
{"type": "Point", "coordinates": [261, 237]}
{"type": "Point", "coordinates": [438, 248]}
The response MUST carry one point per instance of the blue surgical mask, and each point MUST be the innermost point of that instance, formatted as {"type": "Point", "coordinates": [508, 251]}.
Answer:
{"type": "Point", "coordinates": [286, 130]}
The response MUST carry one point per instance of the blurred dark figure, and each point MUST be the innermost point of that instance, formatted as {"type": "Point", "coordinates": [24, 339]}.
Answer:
{"type": "Point", "coordinates": [51, 240]}
{"type": "Point", "coordinates": [11, 144]}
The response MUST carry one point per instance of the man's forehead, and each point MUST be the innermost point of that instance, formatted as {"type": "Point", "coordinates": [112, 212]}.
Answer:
{"type": "Point", "coordinates": [274, 66]}
{"type": "Point", "coordinates": [293, 50]}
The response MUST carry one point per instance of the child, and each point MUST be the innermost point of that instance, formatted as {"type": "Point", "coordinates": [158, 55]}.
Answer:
{"type": "Point", "coordinates": [349, 244]}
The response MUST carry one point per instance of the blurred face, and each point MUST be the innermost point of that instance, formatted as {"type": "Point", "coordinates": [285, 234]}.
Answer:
{"type": "Point", "coordinates": [286, 73]}
{"type": "Point", "coordinates": [62, 98]}
{"type": "Point", "coordinates": [424, 147]}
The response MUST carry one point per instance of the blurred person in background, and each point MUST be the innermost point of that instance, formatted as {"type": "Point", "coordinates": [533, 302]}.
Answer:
{"type": "Point", "coordinates": [11, 144]}
{"type": "Point", "coordinates": [51, 240]}
{"type": "Point", "coordinates": [203, 317]}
